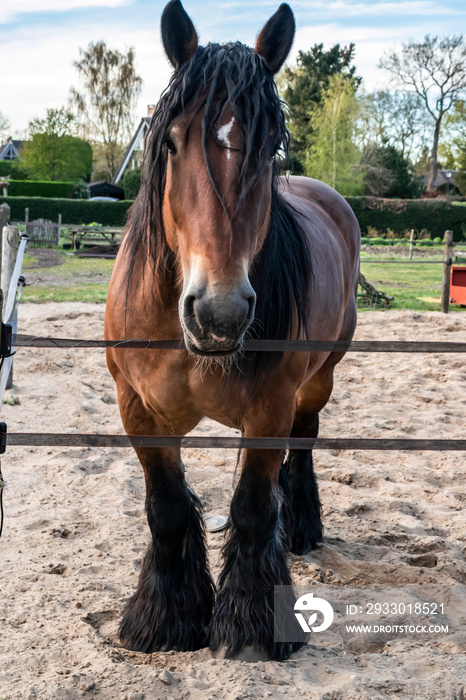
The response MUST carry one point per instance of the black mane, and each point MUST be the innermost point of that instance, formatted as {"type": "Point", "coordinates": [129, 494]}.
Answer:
{"type": "Point", "coordinates": [231, 74]}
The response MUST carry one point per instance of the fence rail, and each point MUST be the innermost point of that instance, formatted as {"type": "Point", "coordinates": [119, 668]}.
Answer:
{"type": "Point", "coordinates": [239, 442]}
{"type": "Point", "coordinates": [257, 345]}
{"type": "Point", "coordinates": [11, 340]}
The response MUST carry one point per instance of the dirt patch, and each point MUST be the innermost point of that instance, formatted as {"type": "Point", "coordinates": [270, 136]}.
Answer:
{"type": "Point", "coordinates": [75, 529]}
{"type": "Point", "coordinates": [45, 258]}
{"type": "Point", "coordinates": [99, 251]}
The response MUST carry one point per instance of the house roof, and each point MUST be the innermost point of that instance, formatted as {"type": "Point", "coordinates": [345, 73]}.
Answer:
{"type": "Point", "coordinates": [139, 134]}
{"type": "Point", "coordinates": [442, 179]}
{"type": "Point", "coordinates": [10, 150]}
{"type": "Point", "coordinates": [106, 189]}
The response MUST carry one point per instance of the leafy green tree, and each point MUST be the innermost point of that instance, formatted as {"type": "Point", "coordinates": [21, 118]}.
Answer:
{"type": "Point", "coordinates": [52, 152]}
{"type": "Point", "coordinates": [456, 123]}
{"type": "Point", "coordinates": [15, 168]}
{"type": "Point", "coordinates": [303, 87]}
{"type": "Point", "coordinates": [387, 173]}
{"type": "Point", "coordinates": [132, 183]}
{"type": "Point", "coordinates": [107, 101]}
{"type": "Point", "coordinates": [333, 156]}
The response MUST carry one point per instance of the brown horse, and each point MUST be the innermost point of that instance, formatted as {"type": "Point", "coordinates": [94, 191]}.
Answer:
{"type": "Point", "coordinates": [219, 248]}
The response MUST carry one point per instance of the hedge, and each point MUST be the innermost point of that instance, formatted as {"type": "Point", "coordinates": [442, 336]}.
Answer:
{"type": "Point", "coordinates": [401, 215]}
{"type": "Point", "coordinates": [37, 188]}
{"type": "Point", "coordinates": [73, 211]}
{"type": "Point", "coordinates": [395, 215]}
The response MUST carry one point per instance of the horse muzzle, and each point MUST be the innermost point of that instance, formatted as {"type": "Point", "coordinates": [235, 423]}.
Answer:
{"type": "Point", "coordinates": [215, 325]}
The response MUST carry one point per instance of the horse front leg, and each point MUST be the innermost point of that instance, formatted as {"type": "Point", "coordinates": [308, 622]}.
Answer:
{"type": "Point", "coordinates": [172, 606]}
{"type": "Point", "coordinates": [255, 560]}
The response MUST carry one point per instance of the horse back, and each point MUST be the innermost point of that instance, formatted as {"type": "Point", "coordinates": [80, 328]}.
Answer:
{"type": "Point", "coordinates": [334, 240]}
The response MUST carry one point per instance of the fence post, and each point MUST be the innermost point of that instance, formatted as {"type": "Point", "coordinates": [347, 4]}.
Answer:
{"type": "Point", "coordinates": [447, 261]}
{"type": "Point", "coordinates": [411, 239]}
{"type": "Point", "coordinates": [9, 251]}
{"type": "Point", "coordinates": [4, 219]}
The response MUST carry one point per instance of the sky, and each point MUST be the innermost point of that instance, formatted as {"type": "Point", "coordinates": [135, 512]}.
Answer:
{"type": "Point", "coordinates": [40, 39]}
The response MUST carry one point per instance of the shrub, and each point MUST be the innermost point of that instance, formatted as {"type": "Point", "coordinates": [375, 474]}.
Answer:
{"type": "Point", "coordinates": [401, 215]}
{"type": "Point", "coordinates": [81, 190]}
{"type": "Point", "coordinates": [14, 168]}
{"type": "Point", "coordinates": [131, 183]}
{"type": "Point", "coordinates": [38, 188]}
{"type": "Point", "coordinates": [73, 211]}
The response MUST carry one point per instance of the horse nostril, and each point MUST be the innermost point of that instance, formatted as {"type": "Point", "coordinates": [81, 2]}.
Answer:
{"type": "Point", "coordinates": [188, 305]}
{"type": "Point", "coordinates": [252, 305]}
{"type": "Point", "coordinates": [191, 312]}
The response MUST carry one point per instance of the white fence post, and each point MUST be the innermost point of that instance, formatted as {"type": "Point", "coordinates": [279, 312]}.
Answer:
{"type": "Point", "coordinates": [10, 239]}
{"type": "Point", "coordinates": [4, 219]}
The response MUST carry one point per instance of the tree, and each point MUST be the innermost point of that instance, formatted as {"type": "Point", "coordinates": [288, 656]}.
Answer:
{"type": "Point", "coordinates": [333, 156]}
{"type": "Point", "coordinates": [394, 119]}
{"type": "Point", "coordinates": [435, 70]}
{"type": "Point", "coordinates": [4, 126]}
{"type": "Point", "coordinates": [387, 173]}
{"type": "Point", "coordinates": [52, 152]}
{"type": "Point", "coordinates": [57, 122]}
{"type": "Point", "coordinates": [107, 101]}
{"type": "Point", "coordinates": [456, 121]}
{"type": "Point", "coordinates": [302, 88]}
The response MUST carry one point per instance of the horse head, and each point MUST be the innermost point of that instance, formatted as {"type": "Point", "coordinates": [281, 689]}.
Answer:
{"type": "Point", "coordinates": [215, 133]}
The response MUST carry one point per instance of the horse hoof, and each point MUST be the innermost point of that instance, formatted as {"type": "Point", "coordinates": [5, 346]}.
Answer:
{"type": "Point", "coordinates": [251, 654]}
{"type": "Point", "coordinates": [278, 651]}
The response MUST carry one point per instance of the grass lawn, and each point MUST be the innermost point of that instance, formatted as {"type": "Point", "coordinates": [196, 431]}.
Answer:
{"type": "Point", "coordinates": [56, 277]}
{"type": "Point", "coordinates": [415, 286]}
{"type": "Point", "coordinates": [66, 279]}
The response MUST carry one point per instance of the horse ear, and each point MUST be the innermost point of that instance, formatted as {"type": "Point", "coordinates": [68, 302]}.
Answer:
{"type": "Point", "coordinates": [179, 37]}
{"type": "Point", "coordinates": [275, 40]}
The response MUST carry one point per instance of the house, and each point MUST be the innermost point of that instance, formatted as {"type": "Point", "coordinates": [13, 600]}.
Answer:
{"type": "Point", "coordinates": [133, 156]}
{"type": "Point", "coordinates": [443, 178]}
{"type": "Point", "coordinates": [10, 150]}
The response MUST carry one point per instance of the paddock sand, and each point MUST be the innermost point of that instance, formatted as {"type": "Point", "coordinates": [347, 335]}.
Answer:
{"type": "Point", "coordinates": [75, 528]}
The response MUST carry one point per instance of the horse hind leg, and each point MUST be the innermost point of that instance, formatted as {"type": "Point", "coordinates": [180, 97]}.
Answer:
{"type": "Point", "coordinates": [297, 476]}
{"type": "Point", "coordinates": [303, 508]}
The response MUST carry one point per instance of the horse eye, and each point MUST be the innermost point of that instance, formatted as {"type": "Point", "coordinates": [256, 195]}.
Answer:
{"type": "Point", "coordinates": [170, 146]}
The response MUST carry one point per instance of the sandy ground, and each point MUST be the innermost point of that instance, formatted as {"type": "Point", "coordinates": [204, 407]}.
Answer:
{"type": "Point", "coordinates": [75, 528]}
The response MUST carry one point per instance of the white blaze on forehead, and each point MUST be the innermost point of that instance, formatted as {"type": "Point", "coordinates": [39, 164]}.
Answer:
{"type": "Point", "coordinates": [223, 135]}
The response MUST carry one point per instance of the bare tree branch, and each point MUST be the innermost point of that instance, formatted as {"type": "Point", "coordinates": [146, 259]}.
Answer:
{"type": "Point", "coordinates": [107, 102]}
{"type": "Point", "coordinates": [435, 70]}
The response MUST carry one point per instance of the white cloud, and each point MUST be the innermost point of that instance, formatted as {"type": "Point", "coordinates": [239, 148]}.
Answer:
{"type": "Point", "coordinates": [370, 44]}
{"type": "Point", "coordinates": [40, 67]}
{"type": "Point", "coordinates": [12, 9]}
{"type": "Point", "coordinates": [338, 8]}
